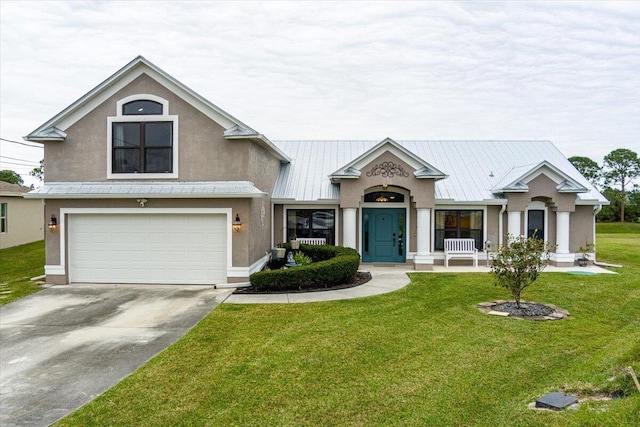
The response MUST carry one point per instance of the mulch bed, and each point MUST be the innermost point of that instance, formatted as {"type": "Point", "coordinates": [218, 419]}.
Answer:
{"type": "Point", "coordinates": [528, 310]}
{"type": "Point", "coordinates": [360, 278]}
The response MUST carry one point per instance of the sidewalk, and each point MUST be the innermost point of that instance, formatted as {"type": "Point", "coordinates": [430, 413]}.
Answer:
{"type": "Point", "coordinates": [383, 280]}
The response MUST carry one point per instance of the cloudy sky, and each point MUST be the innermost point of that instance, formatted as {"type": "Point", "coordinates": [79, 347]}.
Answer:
{"type": "Point", "coordinates": [564, 71]}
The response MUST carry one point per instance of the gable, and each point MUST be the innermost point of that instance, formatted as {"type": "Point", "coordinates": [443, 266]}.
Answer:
{"type": "Point", "coordinates": [55, 128]}
{"type": "Point", "coordinates": [517, 179]}
{"type": "Point", "coordinates": [353, 169]}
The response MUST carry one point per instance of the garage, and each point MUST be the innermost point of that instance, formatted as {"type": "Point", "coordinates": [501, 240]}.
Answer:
{"type": "Point", "coordinates": [147, 248]}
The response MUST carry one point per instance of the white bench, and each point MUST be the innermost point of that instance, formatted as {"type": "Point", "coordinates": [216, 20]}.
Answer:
{"type": "Point", "coordinates": [460, 248]}
{"type": "Point", "coordinates": [312, 240]}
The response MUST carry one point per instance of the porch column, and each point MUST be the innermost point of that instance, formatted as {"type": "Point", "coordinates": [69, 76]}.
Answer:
{"type": "Point", "coordinates": [562, 257]}
{"type": "Point", "coordinates": [349, 227]}
{"type": "Point", "coordinates": [513, 228]}
{"type": "Point", "coordinates": [423, 260]}
{"type": "Point", "coordinates": [562, 232]}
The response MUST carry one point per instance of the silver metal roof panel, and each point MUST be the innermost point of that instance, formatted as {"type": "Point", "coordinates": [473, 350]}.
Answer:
{"type": "Point", "coordinates": [153, 189]}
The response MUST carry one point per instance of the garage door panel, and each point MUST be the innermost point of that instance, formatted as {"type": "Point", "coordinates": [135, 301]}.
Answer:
{"type": "Point", "coordinates": [142, 248]}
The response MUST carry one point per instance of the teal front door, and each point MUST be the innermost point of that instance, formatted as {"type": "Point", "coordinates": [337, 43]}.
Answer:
{"type": "Point", "coordinates": [383, 235]}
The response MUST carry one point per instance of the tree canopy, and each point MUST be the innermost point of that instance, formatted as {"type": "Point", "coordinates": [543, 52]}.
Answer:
{"type": "Point", "coordinates": [11, 177]}
{"type": "Point", "coordinates": [588, 168]}
{"type": "Point", "coordinates": [39, 171]}
{"type": "Point", "coordinates": [621, 167]}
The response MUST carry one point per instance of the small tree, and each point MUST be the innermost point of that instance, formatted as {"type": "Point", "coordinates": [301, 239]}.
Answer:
{"type": "Point", "coordinates": [38, 172]}
{"type": "Point", "coordinates": [10, 176]}
{"type": "Point", "coordinates": [518, 265]}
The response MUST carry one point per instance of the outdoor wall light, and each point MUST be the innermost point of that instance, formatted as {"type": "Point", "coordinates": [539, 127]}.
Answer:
{"type": "Point", "coordinates": [53, 223]}
{"type": "Point", "coordinates": [237, 224]}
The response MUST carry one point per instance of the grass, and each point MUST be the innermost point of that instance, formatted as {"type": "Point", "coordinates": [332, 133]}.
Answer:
{"type": "Point", "coordinates": [423, 355]}
{"type": "Point", "coordinates": [17, 265]}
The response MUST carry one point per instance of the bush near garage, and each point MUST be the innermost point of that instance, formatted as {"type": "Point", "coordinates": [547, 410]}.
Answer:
{"type": "Point", "coordinates": [332, 265]}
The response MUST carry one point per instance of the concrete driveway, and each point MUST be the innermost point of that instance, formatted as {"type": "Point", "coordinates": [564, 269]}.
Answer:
{"type": "Point", "coordinates": [65, 345]}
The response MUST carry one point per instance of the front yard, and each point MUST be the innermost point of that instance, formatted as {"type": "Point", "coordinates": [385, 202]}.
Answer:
{"type": "Point", "coordinates": [421, 356]}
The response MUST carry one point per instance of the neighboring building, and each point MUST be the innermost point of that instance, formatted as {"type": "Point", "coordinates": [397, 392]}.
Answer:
{"type": "Point", "coordinates": [21, 221]}
{"type": "Point", "coordinates": [145, 179]}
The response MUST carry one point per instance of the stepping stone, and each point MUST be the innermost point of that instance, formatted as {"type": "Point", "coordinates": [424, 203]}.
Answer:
{"type": "Point", "coordinates": [556, 401]}
{"type": "Point", "coordinates": [499, 313]}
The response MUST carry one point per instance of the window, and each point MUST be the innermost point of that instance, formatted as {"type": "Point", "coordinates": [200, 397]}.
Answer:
{"type": "Point", "coordinates": [142, 147]}
{"type": "Point", "coordinates": [319, 223]}
{"type": "Point", "coordinates": [458, 224]}
{"type": "Point", "coordinates": [3, 217]}
{"type": "Point", "coordinates": [384, 197]}
{"type": "Point", "coordinates": [142, 139]}
{"type": "Point", "coordinates": [535, 223]}
{"type": "Point", "coordinates": [141, 108]}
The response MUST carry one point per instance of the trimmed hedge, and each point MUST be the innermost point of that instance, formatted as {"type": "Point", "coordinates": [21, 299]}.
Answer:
{"type": "Point", "coordinates": [332, 265]}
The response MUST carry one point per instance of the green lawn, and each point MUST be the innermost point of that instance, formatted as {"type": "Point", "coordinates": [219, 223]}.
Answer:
{"type": "Point", "coordinates": [421, 356]}
{"type": "Point", "coordinates": [17, 266]}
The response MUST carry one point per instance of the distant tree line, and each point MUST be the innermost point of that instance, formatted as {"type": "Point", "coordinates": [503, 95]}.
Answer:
{"type": "Point", "coordinates": [615, 179]}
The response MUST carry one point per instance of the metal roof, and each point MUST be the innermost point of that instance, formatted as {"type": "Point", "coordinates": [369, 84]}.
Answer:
{"type": "Point", "coordinates": [474, 167]}
{"type": "Point", "coordinates": [152, 189]}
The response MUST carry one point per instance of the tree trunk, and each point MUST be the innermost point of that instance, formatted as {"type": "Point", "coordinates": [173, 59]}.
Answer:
{"type": "Point", "coordinates": [624, 196]}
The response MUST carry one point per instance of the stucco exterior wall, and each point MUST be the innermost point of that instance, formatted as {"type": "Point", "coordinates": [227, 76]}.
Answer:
{"type": "Point", "coordinates": [581, 225]}
{"type": "Point", "coordinates": [204, 154]}
{"type": "Point", "coordinates": [542, 187]}
{"type": "Point", "coordinates": [25, 221]}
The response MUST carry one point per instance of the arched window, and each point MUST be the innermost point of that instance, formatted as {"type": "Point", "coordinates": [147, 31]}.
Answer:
{"type": "Point", "coordinates": [142, 107]}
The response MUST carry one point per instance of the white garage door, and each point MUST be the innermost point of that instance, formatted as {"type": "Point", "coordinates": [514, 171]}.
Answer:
{"type": "Point", "coordinates": [143, 248]}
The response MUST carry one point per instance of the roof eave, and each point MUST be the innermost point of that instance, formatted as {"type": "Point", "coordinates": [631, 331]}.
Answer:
{"type": "Point", "coordinates": [264, 141]}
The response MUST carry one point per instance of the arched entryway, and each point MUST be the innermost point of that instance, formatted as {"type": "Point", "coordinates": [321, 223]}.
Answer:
{"type": "Point", "coordinates": [384, 226]}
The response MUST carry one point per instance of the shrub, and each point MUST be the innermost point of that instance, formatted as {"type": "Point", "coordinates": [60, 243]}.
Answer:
{"type": "Point", "coordinates": [301, 259]}
{"type": "Point", "coordinates": [332, 265]}
{"type": "Point", "coordinates": [518, 265]}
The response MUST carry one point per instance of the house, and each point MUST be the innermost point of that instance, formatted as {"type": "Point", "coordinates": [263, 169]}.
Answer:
{"type": "Point", "coordinates": [21, 221]}
{"type": "Point", "coordinates": [147, 182]}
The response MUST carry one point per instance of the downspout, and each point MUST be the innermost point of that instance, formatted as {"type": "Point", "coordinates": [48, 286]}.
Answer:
{"type": "Point", "coordinates": [501, 225]}
{"type": "Point", "coordinates": [600, 264]}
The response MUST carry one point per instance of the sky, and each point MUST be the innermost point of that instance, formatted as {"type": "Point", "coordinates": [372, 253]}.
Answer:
{"type": "Point", "coordinates": [568, 72]}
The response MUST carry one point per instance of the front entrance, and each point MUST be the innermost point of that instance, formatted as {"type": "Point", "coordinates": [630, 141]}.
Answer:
{"type": "Point", "coordinates": [383, 235]}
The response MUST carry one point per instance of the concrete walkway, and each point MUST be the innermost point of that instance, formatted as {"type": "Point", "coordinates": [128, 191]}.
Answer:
{"type": "Point", "coordinates": [383, 280]}
{"type": "Point", "coordinates": [65, 345]}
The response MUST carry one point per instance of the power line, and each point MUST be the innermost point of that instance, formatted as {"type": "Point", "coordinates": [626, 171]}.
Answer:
{"type": "Point", "coordinates": [4, 162]}
{"type": "Point", "coordinates": [21, 143]}
{"type": "Point", "coordinates": [20, 160]}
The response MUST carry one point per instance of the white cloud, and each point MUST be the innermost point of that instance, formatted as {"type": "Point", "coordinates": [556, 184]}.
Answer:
{"type": "Point", "coordinates": [565, 71]}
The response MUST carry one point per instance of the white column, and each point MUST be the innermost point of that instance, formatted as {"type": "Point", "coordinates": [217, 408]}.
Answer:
{"type": "Point", "coordinates": [513, 227]}
{"type": "Point", "coordinates": [349, 227]}
{"type": "Point", "coordinates": [424, 231]}
{"type": "Point", "coordinates": [423, 260]}
{"type": "Point", "coordinates": [562, 232]}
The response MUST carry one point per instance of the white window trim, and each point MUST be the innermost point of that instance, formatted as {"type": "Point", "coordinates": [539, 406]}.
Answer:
{"type": "Point", "coordinates": [61, 268]}
{"type": "Point", "coordinates": [537, 206]}
{"type": "Point", "coordinates": [336, 213]}
{"type": "Point", "coordinates": [120, 118]}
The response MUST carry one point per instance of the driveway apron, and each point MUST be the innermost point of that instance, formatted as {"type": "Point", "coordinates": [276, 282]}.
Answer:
{"type": "Point", "coordinates": [65, 345]}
